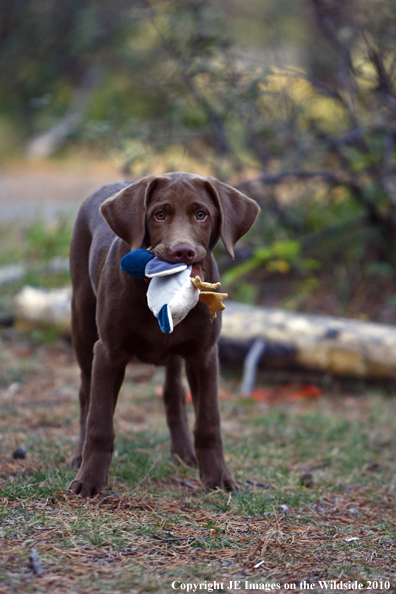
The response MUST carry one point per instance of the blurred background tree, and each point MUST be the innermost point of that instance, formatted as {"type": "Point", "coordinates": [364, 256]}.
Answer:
{"type": "Point", "coordinates": [293, 101]}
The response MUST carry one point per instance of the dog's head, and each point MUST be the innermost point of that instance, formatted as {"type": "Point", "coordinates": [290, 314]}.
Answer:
{"type": "Point", "coordinates": [180, 215]}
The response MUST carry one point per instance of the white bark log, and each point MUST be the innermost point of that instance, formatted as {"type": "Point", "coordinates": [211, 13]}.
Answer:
{"type": "Point", "coordinates": [38, 306]}
{"type": "Point", "coordinates": [323, 343]}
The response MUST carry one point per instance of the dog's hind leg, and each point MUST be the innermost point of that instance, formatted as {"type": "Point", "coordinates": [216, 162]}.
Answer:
{"type": "Point", "coordinates": [84, 330]}
{"type": "Point", "coordinates": [202, 375]}
{"type": "Point", "coordinates": [176, 415]}
{"type": "Point", "coordinates": [85, 334]}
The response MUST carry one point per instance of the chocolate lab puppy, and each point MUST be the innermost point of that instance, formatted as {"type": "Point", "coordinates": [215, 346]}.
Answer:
{"type": "Point", "coordinates": [182, 217]}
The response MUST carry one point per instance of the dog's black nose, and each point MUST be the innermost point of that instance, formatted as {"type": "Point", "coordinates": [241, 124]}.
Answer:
{"type": "Point", "coordinates": [183, 252]}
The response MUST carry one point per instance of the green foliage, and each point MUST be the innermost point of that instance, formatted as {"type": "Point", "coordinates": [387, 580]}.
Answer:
{"type": "Point", "coordinates": [380, 269]}
{"type": "Point", "coordinates": [47, 49]}
{"type": "Point", "coordinates": [46, 241]}
{"type": "Point", "coordinates": [281, 257]}
{"type": "Point", "coordinates": [189, 85]}
{"type": "Point", "coordinates": [245, 292]}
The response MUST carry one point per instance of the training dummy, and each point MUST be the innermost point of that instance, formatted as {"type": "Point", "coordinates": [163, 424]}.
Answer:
{"type": "Point", "coordinates": [172, 293]}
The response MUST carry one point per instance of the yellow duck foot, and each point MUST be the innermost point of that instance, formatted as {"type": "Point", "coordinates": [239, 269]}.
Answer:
{"type": "Point", "coordinates": [213, 300]}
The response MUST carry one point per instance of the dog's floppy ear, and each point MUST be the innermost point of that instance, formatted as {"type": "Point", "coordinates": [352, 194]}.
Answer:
{"type": "Point", "coordinates": [237, 212]}
{"type": "Point", "coordinates": [125, 212]}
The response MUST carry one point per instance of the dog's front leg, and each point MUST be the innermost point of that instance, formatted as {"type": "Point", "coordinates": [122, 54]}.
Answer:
{"type": "Point", "coordinates": [107, 376]}
{"type": "Point", "coordinates": [202, 372]}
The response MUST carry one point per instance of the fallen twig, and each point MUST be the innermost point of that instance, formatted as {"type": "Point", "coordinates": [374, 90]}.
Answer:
{"type": "Point", "coordinates": [255, 484]}
{"type": "Point", "coordinates": [185, 484]}
{"type": "Point", "coordinates": [159, 537]}
{"type": "Point", "coordinates": [173, 538]}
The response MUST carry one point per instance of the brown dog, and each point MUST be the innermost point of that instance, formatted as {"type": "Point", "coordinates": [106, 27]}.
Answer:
{"type": "Point", "coordinates": [182, 217]}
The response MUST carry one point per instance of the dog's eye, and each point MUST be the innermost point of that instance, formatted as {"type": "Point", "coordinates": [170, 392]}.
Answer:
{"type": "Point", "coordinates": [201, 215]}
{"type": "Point", "coordinates": [160, 215]}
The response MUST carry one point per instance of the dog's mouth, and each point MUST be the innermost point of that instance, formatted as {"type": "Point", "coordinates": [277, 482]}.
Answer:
{"type": "Point", "coordinates": [197, 270]}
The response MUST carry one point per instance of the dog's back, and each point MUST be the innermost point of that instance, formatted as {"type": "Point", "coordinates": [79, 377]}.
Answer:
{"type": "Point", "coordinates": [92, 238]}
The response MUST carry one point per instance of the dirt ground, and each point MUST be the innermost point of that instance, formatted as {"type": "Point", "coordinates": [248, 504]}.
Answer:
{"type": "Point", "coordinates": [155, 525]}
{"type": "Point", "coordinates": [44, 188]}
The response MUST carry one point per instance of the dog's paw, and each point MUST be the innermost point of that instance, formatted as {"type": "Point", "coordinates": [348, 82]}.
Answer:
{"type": "Point", "coordinates": [220, 480]}
{"type": "Point", "coordinates": [91, 479]}
{"type": "Point", "coordinates": [85, 489]}
{"type": "Point", "coordinates": [92, 476]}
{"type": "Point", "coordinates": [213, 471]}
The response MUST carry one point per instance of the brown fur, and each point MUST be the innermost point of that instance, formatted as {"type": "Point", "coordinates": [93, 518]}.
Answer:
{"type": "Point", "coordinates": [111, 322]}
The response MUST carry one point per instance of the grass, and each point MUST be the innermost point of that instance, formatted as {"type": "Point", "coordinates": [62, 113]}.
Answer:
{"type": "Point", "coordinates": [155, 525]}
{"type": "Point", "coordinates": [37, 242]}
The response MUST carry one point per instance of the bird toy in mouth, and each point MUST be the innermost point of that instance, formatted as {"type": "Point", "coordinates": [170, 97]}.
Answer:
{"type": "Point", "coordinates": [172, 291]}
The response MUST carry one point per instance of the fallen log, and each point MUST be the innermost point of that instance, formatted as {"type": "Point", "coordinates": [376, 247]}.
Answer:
{"type": "Point", "coordinates": [14, 272]}
{"type": "Point", "coordinates": [290, 340]}
{"type": "Point", "coordinates": [45, 307]}
{"type": "Point", "coordinates": [338, 346]}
